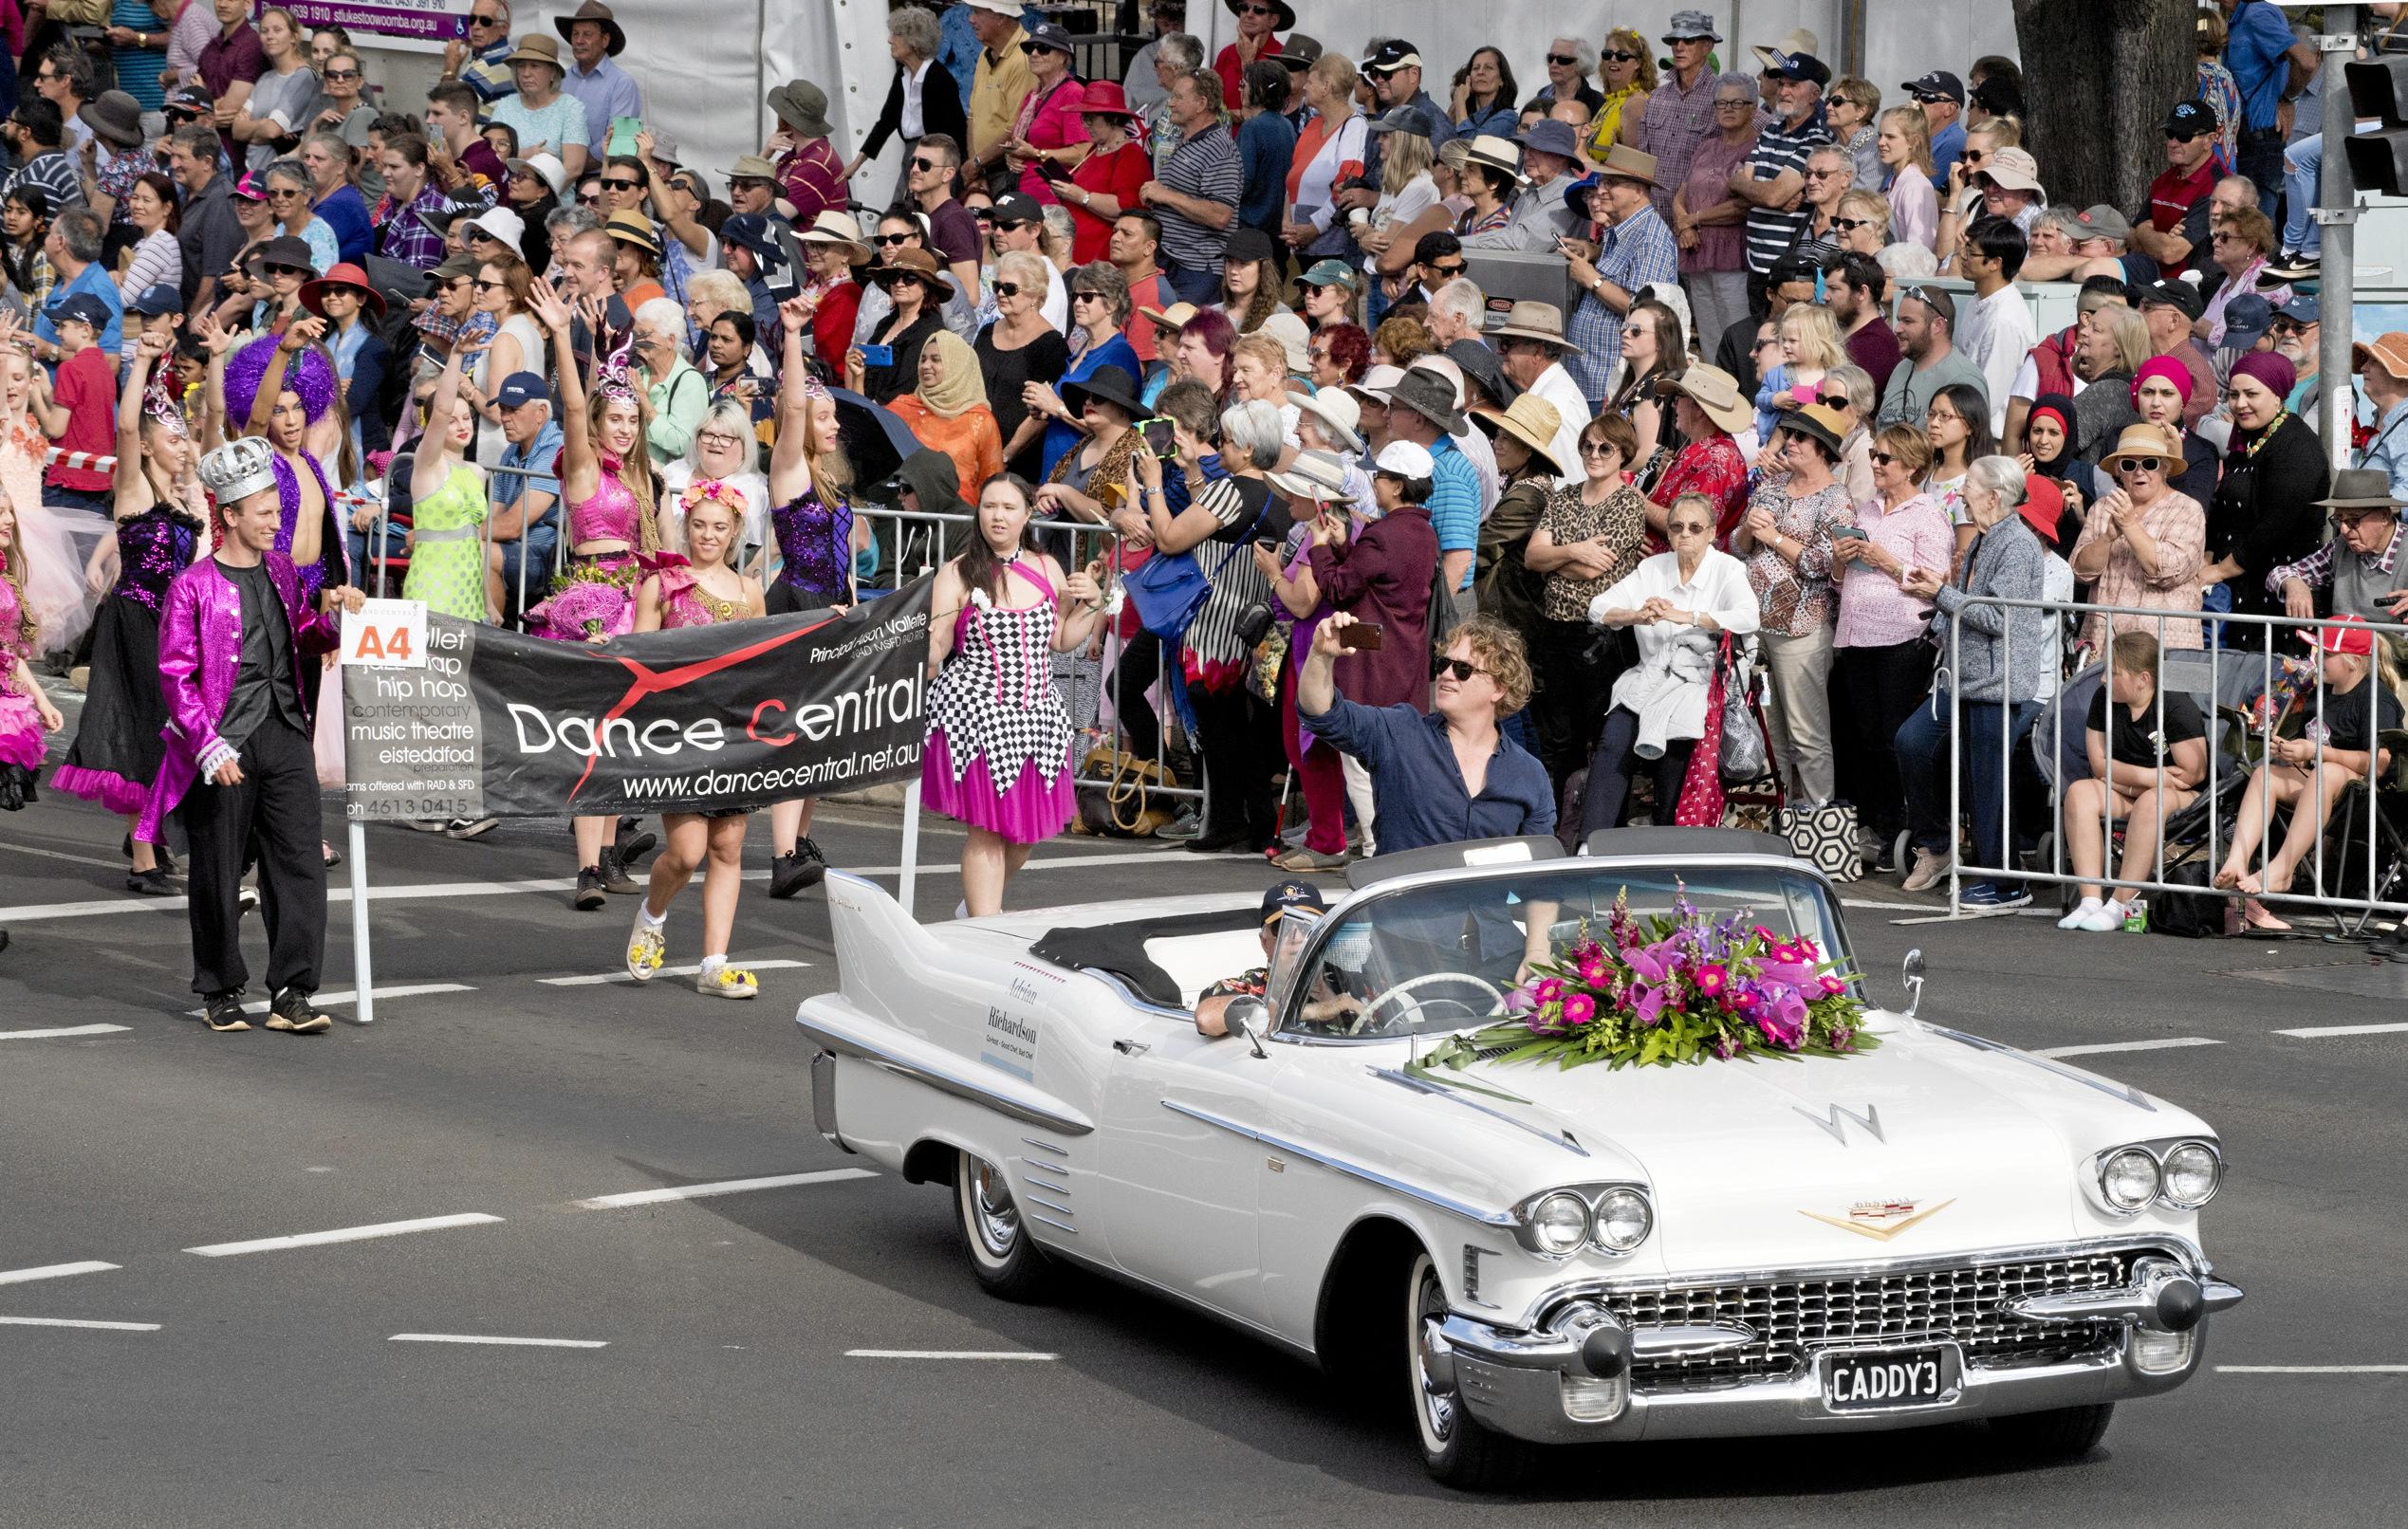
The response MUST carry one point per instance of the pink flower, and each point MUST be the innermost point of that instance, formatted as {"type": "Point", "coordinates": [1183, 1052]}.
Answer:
{"type": "Point", "coordinates": [1549, 990]}
{"type": "Point", "coordinates": [1743, 999]}
{"type": "Point", "coordinates": [1832, 987]}
{"type": "Point", "coordinates": [1579, 1009]}
{"type": "Point", "coordinates": [1712, 979]}
{"type": "Point", "coordinates": [1593, 971]}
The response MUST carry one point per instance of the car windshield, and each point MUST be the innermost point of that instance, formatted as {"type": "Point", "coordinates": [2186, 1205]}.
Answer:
{"type": "Point", "coordinates": [1437, 958]}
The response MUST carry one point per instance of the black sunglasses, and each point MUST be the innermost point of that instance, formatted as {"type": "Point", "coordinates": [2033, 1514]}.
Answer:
{"type": "Point", "coordinates": [342, 74]}
{"type": "Point", "coordinates": [1462, 668]}
{"type": "Point", "coordinates": [1006, 289]}
{"type": "Point", "coordinates": [1621, 56]}
{"type": "Point", "coordinates": [485, 21]}
{"type": "Point", "coordinates": [922, 162]}
{"type": "Point", "coordinates": [287, 271]}
{"type": "Point", "coordinates": [1565, 59]}
{"type": "Point", "coordinates": [1884, 458]}
{"type": "Point", "coordinates": [890, 238]}
{"type": "Point", "coordinates": [1849, 224]}
{"type": "Point", "coordinates": [620, 185]}
{"type": "Point", "coordinates": [1456, 270]}
{"type": "Point", "coordinates": [484, 286]}
{"type": "Point", "coordinates": [588, 198]}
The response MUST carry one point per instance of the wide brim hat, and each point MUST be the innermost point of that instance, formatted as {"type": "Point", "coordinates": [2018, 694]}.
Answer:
{"type": "Point", "coordinates": [2362, 488]}
{"type": "Point", "coordinates": [1531, 420]}
{"type": "Point", "coordinates": [594, 10]}
{"type": "Point", "coordinates": [835, 228]}
{"type": "Point", "coordinates": [1174, 317]}
{"type": "Point", "coordinates": [346, 274]}
{"type": "Point", "coordinates": [1498, 154]}
{"type": "Point", "coordinates": [284, 250]}
{"type": "Point", "coordinates": [1315, 475]}
{"type": "Point", "coordinates": [2139, 441]}
{"type": "Point", "coordinates": [1547, 135]}
{"type": "Point", "coordinates": [1105, 384]}
{"type": "Point", "coordinates": [1335, 408]}
{"type": "Point", "coordinates": [1484, 366]}
{"type": "Point", "coordinates": [1716, 391]}
{"type": "Point", "coordinates": [537, 48]}
{"type": "Point", "coordinates": [499, 224]}
{"type": "Point", "coordinates": [545, 167]}
{"type": "Point", "coordinates": [1623, 163]}
{"type": "Point", "coordinates": [1532, 320]}
{"type": "Point", "coordinates": [2016, 170]}
{"type": "Point", "coordinates": [801, 106]}
{"type": "Point", "coordinates": [1106, 98]}
{"type": "Point", "coordinates": [2389, 351]}
{"type": "Point", "coordinates": [1816, 422]}
{"type": "Point", "coordinates": [1294, 339]}
{"type": "Point", "coordinates": [918, 263]}
{"type": "Point", "coordinates": [1432, 396]}
{"type": "Point", "coordinates": [1799, 41]}
{"type": "Point", "coordinates": [115, 117]}
{"type": "Point", "coordinates": [629, 227]}
{"type": "Point", "coordinates": [1280, 23]}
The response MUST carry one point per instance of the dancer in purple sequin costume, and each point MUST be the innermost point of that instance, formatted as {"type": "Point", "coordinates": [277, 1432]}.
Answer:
{"type": "Point", "coordinates": [607, 483]}
{"type": "Point", "coordinates": [998, 753]}
{"type": "Point", "coordinates": [161, 515]}
{"type": "Point", "coordinates": [277, 387]}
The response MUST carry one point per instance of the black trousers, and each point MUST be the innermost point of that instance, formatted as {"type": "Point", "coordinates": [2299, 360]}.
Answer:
{"type": "Point", "coordinates": [1873, 690]}
{"type": "Point", "coordinates": [1238, 742]}
{"type": "Point", "coordinates": [272, 816]}
{"type": "Point", "coordinates": [1616, 760]}
{"type": "Point", "coordinates": [1140, 665]}
{"type": "Point", "coordinates": [1577, 665]}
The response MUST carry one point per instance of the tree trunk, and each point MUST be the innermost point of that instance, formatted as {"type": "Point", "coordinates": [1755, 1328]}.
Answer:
{"type": "Point", "coordinates": [2099, 78]}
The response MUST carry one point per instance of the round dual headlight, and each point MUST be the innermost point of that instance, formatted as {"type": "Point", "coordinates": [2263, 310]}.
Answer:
{"type": "Point", "coordinates": [1559, 1221]}
{"type": "Point", "coordinates": [1624, 1220]}
{"type": "Point", "coordinates": [2191, 1176]}
{"type": "Point", "coordinates": [2129, 1179]}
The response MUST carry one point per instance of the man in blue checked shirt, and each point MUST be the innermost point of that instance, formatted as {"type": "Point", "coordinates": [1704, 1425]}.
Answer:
{"type": "Point", "coordinates": [476, 60]}
{"type": "Point", "coordinates": [1638, 250]}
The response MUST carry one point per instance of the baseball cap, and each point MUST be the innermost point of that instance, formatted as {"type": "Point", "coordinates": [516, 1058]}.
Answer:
{"type": "Point", "coordinates": [750, 231]}
{"type": "Point", "coordinates": [521, 388]}
{"type": "Point", "coordinates": [156, 301]}
{"type": "Point", "coordinates": [1013, 207]}
{"type": "Point", "coordinates": [2191, 119]}
{"type": "Point", "coordinates": [1405, 118]}
{"type": "Point", "coordinates": [191, 99]}
{"type": "Point", "coordinates": [2100, 222]}
{"type": "Point", "coordinates": [81, 307]}
{"type": "Point", "coordinates": [1284, 896]}
{"type": "Point", "coordinates": [2170, 293]}
{"type": "Point", "coordinates": [2246, 320]}
{"type": "Point", "coordinates": [1046, 34]}
{"type": "Point", "coordinates": [1396, 54]}
{"type": "Point", "coordinates": [1801, 67]}
{"type": "Point", "coordinates": [2352, 636]}
{"type": "Point", "coordinates": [1404, 459]}
{"type": "Point", "coordinates": [1938, 85]}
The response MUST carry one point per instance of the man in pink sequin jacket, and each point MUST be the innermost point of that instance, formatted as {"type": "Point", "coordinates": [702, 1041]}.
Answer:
{"type": "Point", "coordinates": [238, 643]}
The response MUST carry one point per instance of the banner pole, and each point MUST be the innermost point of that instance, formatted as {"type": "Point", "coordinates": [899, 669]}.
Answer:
{"type": "Point", "coordinates": [362, 981]}
{"type": "Point", "coordinates": [910, 843]}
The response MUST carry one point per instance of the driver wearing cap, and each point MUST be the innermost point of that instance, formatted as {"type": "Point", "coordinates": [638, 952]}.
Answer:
{"type": "Point", "coordinates": [1211, 1008]}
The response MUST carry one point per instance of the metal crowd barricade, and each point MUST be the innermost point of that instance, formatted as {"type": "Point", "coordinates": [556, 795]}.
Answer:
{"type": "Point", "coordinates": [2221, 662]}
{"type": "Point", "coordinates": [382, 561]}
{"type": "Point", "coordinates": [913, 543]}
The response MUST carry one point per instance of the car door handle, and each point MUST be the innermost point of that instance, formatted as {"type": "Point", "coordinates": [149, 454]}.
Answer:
{"type": "Point", "coordinates": [1131, 1048]}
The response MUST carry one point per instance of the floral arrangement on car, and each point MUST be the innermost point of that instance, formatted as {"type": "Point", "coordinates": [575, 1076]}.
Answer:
{"type": "Point", "coordinates": [1673, 989]}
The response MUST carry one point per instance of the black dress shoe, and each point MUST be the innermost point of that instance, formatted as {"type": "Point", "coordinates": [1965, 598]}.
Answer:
{"type": "Point", "coordinates": [790, 874]}
{"type": "Point", "coordinates": [614, 875]}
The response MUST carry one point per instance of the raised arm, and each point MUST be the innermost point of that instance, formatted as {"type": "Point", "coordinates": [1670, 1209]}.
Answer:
{"type": "Point", "coordinates": [129, 482]}
{"type": "Point", "coordinates": [576, 459]}
{"type": "Point", "coordinates": [791, 454]}
{"type": "Point", "coordinates": [432, 461]}
{"type": "Point", "coordinates": [263, 408]}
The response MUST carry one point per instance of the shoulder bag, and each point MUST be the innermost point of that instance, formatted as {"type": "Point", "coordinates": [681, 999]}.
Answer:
{"type": "Point", "coordinates": [1171, 587]}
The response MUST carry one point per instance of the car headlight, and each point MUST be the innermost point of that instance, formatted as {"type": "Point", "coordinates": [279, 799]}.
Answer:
{"type": "Point", "coordinates": [1624, 1220]}
{"type": "Point", "coordinates": [2128, 1179]}
{"type": "Point", "coordinates": [2191, 1176]}
{"type": "Point", "coordinates": [1559, 1221]}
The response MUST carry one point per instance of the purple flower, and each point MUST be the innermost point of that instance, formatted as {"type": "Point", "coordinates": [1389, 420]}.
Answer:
{"type": "Point", "coordinates": [1654, 962]}
{"type": "Point", "coordinates": [1579, 1009]}
{"type": "Point", "coordinates": [1649, 1002]}
{"type": "Point", "coordinates": [1521, 1001]}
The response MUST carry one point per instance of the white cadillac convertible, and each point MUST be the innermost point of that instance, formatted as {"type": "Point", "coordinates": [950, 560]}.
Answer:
{"type": "Point", "coordinates": [1936, 1228]}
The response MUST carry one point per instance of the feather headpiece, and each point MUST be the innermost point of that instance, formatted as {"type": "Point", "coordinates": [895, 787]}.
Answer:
{"type": "Point", "coordinates": [306, 374]}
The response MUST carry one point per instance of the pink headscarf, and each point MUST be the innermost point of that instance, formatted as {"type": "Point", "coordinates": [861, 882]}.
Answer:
{"type": "Point", "coordinates": [2167, 367]}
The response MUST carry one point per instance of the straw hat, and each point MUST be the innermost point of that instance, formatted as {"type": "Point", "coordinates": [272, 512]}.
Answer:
{"type": "Point", "coordinates": [1315, 475]}
{"type": "Point", "coordinates": [1716, 392]}
{"type": "Point", "coordinates": [1337, 408]}
{"type": "Point", "coordinates": [836, 228]}
{"type": "Point", "coordinates": [1531, 420]}
{"type": "Point", "coordinates": [2142, 442]}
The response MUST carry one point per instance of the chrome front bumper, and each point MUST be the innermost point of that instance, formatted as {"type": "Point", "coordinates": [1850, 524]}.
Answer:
{"type": "Point", "coordinates": [1538, 1385]}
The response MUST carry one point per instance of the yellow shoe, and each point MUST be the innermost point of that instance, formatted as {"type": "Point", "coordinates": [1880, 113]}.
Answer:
{"type": "Point", "coordinates": [719, 980]}
{"type": "Point", "coordinates": [646, 949]}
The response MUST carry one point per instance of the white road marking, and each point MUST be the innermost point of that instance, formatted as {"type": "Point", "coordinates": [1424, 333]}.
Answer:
{"type": "Point", "coordinates": [598, 978]}
{"type": "Point", "coordinates": [345, 1234]}
{"type": "Point", "coordinates": [504, 1342]}
{"type": "Point", "coordinates": [2313, 1369]}
{"type": "Point", "coordinates": [63, 1321]}
{"type": "Point", "coordinates": [946, 1354]}
{"type": "Point", "coordinates": [76, 859]}
{"type": "Point", "coordinates": [703, 1192]}
{"type": "Point", "coordinates": [259, 1005]}
{"type": "Point", "coordinates": [62, 1033]}
{"type": "Point", "coordinates": [2317, 1031]}
{"type": "Point", "coordinates": [52, 1271]}
{"type": "Point", "coordinates": [2127, 1045]}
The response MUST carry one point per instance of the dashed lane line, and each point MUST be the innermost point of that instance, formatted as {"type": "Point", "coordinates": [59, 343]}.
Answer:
{"type": "Point", "coordinates": [596, 978]}
{"type": "Point", "coordinates": [704, 1191]}
{"type": "Point", "coordinates": [259, 1005]}
{"type": "Point", "coordinates": [344, 1234]}
{"type": "Point", "coordinates": [67, 1321]}
{"type": "Point", "coordinates": [62, 1032]}
{"type": "Point", "coordinates": [53, 1271]}
{"type": "Point", "coordinates": [948, 1353]}
{"type": "Point", "coordinates": [2318, 1032]}
{"type": "Point", "coordinates": [2127, 1045]}
{"type": "Point", "coordinates": [499, 1343]}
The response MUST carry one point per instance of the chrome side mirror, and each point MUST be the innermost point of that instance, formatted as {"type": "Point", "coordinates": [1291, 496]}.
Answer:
{"type": "Point", "coordinates": [1246, 1017]}
{"type": "Point", "coordinates": [1911, 972]}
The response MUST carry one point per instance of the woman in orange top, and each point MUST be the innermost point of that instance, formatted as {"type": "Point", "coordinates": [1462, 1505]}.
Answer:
{"type": "Point", "coordinates": [948, 412]}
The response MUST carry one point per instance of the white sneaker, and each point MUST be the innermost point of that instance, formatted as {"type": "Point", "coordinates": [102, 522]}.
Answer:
{"type": "Point", "coordinates": [2106, 919]}
{"type": "Point", "coordinates": [718, 980]}
{"type": "Point", "coordinates": [2074, 919]}
{"type": "Point", "coordinates": [646, 947]}
{"type": "Point", "coordinates": [1930, 869]}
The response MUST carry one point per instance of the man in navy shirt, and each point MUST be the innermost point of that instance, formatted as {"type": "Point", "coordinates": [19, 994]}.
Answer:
{"type": "Point", "coordinates": [1449, 776]}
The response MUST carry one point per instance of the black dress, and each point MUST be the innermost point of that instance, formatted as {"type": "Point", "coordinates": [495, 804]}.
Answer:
{"type": "Point", "coordinates": [117, 747]}
{"type": "Point", "coordinates": [2264, 513]}
{"type": "Point", "coordinates": [1043, 359]}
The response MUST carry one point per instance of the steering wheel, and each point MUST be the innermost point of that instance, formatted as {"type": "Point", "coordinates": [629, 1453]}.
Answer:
{"type": "Point", "coordinates": [1466, 979]}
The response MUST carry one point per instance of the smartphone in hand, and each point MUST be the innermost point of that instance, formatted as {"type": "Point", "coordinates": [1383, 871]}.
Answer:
{"type": "Point", "coordinates": [1157, 438]}
{"type": "Point", "coordinates": [877, 355]}
{"type": "Point", "coordinates": [1363, 636]}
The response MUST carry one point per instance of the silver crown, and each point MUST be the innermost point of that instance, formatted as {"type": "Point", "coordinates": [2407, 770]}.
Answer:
{"type": "Point", "coordinates": [239, 469]}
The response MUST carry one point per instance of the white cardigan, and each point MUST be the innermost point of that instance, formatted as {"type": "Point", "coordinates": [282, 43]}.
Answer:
{"type": "Point", "coordinates": [1720, 589]}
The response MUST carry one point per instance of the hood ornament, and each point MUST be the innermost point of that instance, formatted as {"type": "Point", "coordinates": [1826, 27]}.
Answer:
{"type": "Point", "coordinates": [1870, 1122]}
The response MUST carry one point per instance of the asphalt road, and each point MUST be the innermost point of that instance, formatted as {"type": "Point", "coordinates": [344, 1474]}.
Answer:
{"type": "Point", "coordinates": [267, 1387]}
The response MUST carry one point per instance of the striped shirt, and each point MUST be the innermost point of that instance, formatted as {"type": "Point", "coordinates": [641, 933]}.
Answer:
{"type": "Point", "coordinates": [1780, 148]}
{"type": "Point", "coordinates": [1204, 166]}
{"type": "Point", "coordinates": [1455, 504]}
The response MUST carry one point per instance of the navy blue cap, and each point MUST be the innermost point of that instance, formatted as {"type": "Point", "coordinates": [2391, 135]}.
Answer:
{"type": "Point", "coordinates": [750, 231]}
{"type": "Point", "coordinates": [80, 306]}
{"type": "Point", "coordinates": [2191, 119]}
{"type": "Point", "coordinates": [2246, 320]}
{"type": "Point", "coordinates": [521, 388]}
{"type": "Point", "coordinates": [1801, 67]}
{"type": "Point", "coordinates": [156, 301]}
{"type": "Point", "coordinates": [1286, 894]}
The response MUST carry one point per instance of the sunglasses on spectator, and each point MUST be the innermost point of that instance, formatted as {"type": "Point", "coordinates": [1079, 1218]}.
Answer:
{"type": "Point", "coordinates": [282, 193]}
{"type": "Point", "coordinates": [286, 271]}
{"type": "Point", "coordinates": [1086, 297]}
{"type": "Point", "coordinates": [342, 74]}
{"type": "Point", "coordinates": [485, 21]}
{"type": "Point", "coordinates": [1733, 103]}
{"type": "Point", "coordinates": [2184, 138]}
{"type": "Point", "coordinates": [1618, 56]}
{"type": "Point", "coordinates": [588, 198]}
{"type": "Point", "coordinates": [1817, 174]}
{"type": "Point", "coordinates": [1462, 668]}
{"type": "Point", "coordinates": [1599, 448]}
{"type": "Point", "coordinates": [1449, 271]}
{"type": "Point", "coordinates": [1007, 225]}
{"type": "Point", "coordinates": [1563, 60]}
{"type": "Point", "coordinates": [1687, 528]}
{"type": "Point", "coordinates": [484, 286]}
{"type": "Point", "coordinates": [2128, 465]}
{"type": "Point", "coordinates": [890, 238]}
{"type": "Point", "coordinates": [921, 161]}
{"type": "Point", "coordinates": [1975, 157]}
{"type": "Point", "coordinates": [746, 182]}
{"type": "Point", "coordinates": [982, 214]}
{"type": "Point", "coordinates": [620, 185]}
{"type": "Point", "coordinates": [1884, 458]}
{"type": "Point", "coordinates": [1006, 289]}
{"type": "Point", "coordinates": [1849, 224]}
{"type": "Point", "coordinates": [1768, 342]}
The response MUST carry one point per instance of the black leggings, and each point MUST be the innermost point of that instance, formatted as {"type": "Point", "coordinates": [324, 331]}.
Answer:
{"type": "Point", "coordinates": [1238, 744]}
{"type": "Point", "coordinates": [1140, 665]}
{"type": "Point", "coordinates": [1616, 760]}
{"type": "Point", "coordinates": [1873, 692]}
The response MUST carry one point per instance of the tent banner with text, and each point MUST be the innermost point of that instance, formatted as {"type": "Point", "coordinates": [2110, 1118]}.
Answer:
{"type": "Point", "coordinates": [492, 723]}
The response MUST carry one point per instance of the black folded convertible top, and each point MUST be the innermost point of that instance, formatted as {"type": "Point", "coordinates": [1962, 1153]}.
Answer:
{"type": "Point", "coordinates": [1120, 949]}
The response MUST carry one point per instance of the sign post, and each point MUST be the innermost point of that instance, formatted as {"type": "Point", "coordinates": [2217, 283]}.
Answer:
{"type": "Point", "coordinates": [383, 634]}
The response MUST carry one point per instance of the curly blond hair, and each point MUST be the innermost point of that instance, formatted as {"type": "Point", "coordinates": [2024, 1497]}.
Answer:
{"type": "Point", "coordinates": [1498, 648]}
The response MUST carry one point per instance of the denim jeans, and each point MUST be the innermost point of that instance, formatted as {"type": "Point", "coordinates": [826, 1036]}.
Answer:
{"type": "Point", "coordinates": [2302, 167]}
{"type": "Point", "coordinates": [1923, 745]}
{"type": "Point", "coordinates": [396, 549]}
{"type": "Point", "coordinates": [1193, 286]}
{"type": "Point", "coordinates": [534, 551]}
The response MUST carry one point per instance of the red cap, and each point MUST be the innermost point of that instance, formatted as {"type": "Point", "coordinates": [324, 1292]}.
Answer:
{"type": "Point", "coordinates": [2354, 637]}
{"type": "Point", "coordinates": [2043, 506]}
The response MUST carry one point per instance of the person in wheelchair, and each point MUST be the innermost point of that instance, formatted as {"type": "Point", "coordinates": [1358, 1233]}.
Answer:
{"type": "Point", "coordinates": [1327, 1004]}
{"type": "Point", "coordinates": [2298, 776]}
{"type": "Point", "coordinates": [2140, 774]}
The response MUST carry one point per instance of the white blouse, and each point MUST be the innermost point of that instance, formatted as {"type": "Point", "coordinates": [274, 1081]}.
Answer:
{"type": "Point", "coordinates": [1720, 588]}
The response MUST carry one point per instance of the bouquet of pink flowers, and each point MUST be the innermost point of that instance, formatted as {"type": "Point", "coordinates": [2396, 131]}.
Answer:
{"type": "Point", "coordinates": [1677, 990]}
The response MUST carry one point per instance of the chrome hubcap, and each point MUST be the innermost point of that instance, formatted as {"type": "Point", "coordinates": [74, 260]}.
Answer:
{"type": "Point", "coordinates": [1433, 1381]}
{"type": "Point", "coordinates": [992, 1215]}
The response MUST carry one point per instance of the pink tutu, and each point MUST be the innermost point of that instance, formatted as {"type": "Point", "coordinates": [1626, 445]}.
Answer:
{"type": "Point", "coordinates": [1031, 811]}
{"type": "Point", "coordinates": [22, 740]}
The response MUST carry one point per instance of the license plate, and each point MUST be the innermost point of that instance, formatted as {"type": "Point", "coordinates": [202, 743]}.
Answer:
{"type": "Point", "coordinates": [1869, 1380]}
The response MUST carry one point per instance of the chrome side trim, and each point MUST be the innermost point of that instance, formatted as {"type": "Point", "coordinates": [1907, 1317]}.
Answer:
{"type": "Point", "coordinates": [1438, 1090]}
{"type": "Point", "coordinates": [957, 1084]}
{"type": "Point", "coordinates": [2118, 1091]}
{"type": "Point", "coordinates": [1130, 995]}
{"type": "Point", "coordinates": [1690, 1341]}
{"type": "Point", "coordinates": [1339, 1165]}
{"type": "Point", "coordinates": [1046, 1147]}
{"type": "Point", "coordinates": [1044, 1167]}
{"type": "Point", "coordinates": [1095, 1264]}
{"type": "Point", "coordinates": [1050, 1222]}
{"type": "Point", "coordinates": [1059, 1211]}
{"type": "Point", "coordinates": [823, 1099]}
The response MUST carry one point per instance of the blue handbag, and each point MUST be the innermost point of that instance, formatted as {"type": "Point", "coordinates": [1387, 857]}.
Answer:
{"type": "Point", "coordinates": [1169, 588]}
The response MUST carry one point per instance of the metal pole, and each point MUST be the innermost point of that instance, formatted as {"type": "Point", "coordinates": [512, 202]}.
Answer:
{"type": "Point", "coordinates": [911, 844]}
{"type": "Point", "coordinates": [2335, 211]}
{"type": "Point", "coordinates": [362, 980]}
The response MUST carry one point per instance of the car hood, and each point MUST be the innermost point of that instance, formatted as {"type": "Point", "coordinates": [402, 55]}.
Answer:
{"type": "Point", "coordinates": [1904, 1151]}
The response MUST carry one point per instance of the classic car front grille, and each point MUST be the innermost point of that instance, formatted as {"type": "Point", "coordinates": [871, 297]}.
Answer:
{"type": "Point", "coordinates": [1793, 1315]}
